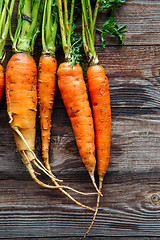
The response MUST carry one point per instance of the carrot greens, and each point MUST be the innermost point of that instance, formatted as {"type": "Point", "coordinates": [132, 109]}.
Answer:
{"type": "Point", "coordinates": [89, 17]}
{"type": "Point", "coordinates": [6, 9]}
{"type": "Point", "coordinates": [49, 27]}
{"type": "Point", "coordinates": [29, 20]}
{"type": "Point", "coordinates": [71, 42]}
{"type": "Point", "coordinates": [110, 5]}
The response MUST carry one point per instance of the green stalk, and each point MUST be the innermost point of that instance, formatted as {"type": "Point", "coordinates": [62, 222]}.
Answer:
{"type": "Point", "coordinates": [49, 29]}
{"type": "Point", "coordinates": [84, 37]}
{"type": "Point", "coordinates": [90, 15]}
{"type": "Point", "coordinates": [70, 25]}
{"type": "Point", "coordinates": [1, 4]}
{"type": "Point", "coordinates": [62, 29]}
{"type": "Point", "coordinates": [27, 12]}
{"type": "Point", "coordinates": [3, 16]}
{"type": "Point", "coordinates": [66, 17]}
{"type": "Point", "coordinates": [29, 20]}
{"type": "Point", "coordinates": [95, 15]}
{"type": "Point", "coordinates": [67, 27]}
{"type": "Point", "coordinates": [49, 21]}
{"type": "Point", "coordinates": [44, 45]}
{"type": "Point", "coordinates": [5, 23]}
{"type": "Point", "coordinates": [89, 40]}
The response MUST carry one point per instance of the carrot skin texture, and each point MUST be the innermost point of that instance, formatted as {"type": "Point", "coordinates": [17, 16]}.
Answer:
{"type": "Point", "coordinates": [100, 98]}
{"type": "Point", "coordinates": [1, 81]}
{"type": "Point", "coordinates": [74, 94]}
{"type": "Point", "coordinates": [46, 94]}
{"type": "Point", "coordinates": [21, 97]}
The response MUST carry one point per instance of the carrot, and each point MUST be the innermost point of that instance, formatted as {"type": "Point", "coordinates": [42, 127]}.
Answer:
{"type": "Point", "coordinates": [100, 98]}
{"type": "Point", "coordinates": [21, 98]}
{"type": "Point", "coordinates": [21, 87]}
{"type": "Point", "coordinates": [98, 84]}
{"type": "Point", "coordinates": [46, 93]}
{"type": "Point", "coordinates": [74, 93]}
{"type": "Point", "coordinates": [47, 75]}
{"type": "Point", "coordinates": [1, 81]}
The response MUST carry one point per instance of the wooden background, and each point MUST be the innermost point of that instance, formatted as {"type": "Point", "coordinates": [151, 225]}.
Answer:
{"type": "Point", "coordinates": [130, 208]}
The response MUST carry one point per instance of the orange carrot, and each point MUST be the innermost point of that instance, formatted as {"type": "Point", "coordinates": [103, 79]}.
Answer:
{"type": "Point", "coordinates": [73, 90]}
{"type": "Point", "coordinates": [100, 98]}
{"type": "Point", "coordinates": [1, 81]}
{"type": "Point", "coordinates": [74, 94]}
{"type": "Point", "coordinates": [21, 98]}
{"type": "Point", "coordinates": [99, 94]}
{"type": "Point", "coordinates": [21, 87]}
{"type": "Point", "coordinates": [21, 93]}
{"type": "Point", "coordinates": [46, 93]}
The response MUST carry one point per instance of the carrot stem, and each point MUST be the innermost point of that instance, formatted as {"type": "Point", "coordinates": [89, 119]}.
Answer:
{"type": "Point", "coordinates": [62, 29]}
{"type": "Point", "coordinates": [30, 14]}
{"type": "Point", "coordinates": [95, 16]}
{"type": "Point", "coordinates": [49, 28]}
{"type": "Point", "coordinates": [5, 21]}
{"type": "Point", "coordinates": [70, 24]}
{"type": "Point", "coordinates": [89, 40]}
{"type": "Point", "coordinates": [27, 11]}
{"type": "Point", "coordinates": [66, 17]}
{"type": "Point", "coordinates": [67, 27]}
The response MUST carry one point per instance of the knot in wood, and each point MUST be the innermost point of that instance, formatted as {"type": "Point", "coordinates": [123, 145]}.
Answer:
{"type": "Point", "coordinates": [155, 198]}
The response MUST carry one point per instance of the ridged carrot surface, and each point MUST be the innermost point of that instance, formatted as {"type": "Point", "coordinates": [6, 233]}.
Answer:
{"type": "Point", "coordinates": [21, 97]}
{"type": "Point", "coordinates": [74, 94]}
{"type": "Point", "coordinates": [100, 98]}
{"type": "Point", "coordinates": [46, 94]}
{"type": "Point", "coordinates": [1, 81]}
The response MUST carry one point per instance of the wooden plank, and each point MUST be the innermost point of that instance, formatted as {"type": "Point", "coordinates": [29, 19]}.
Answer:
{"type": "Point", "coordinates": [95, 238]}
{"type": "Point", "coordinates": [130, 208]}
{"type": "Point", "coordinates": [142, 20]}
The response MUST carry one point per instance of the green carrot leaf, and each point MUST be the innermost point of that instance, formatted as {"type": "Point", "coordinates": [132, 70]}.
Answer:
{"type": "Point", "coordinates": [112, 28]}
{"type": "Point", "coordinates": [110, 5]}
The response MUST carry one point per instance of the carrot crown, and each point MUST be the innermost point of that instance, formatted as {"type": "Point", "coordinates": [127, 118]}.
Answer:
{"type": "Point", "coordinates": [6, 9]}
{"type": "Point", "coordinates": [29, 20]}
{"type": "Point", "coordinates": [89, 17]}
{"type": "Point", "coordinates": [49, 27]}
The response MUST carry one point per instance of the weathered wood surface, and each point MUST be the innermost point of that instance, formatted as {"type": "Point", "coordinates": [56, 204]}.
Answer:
{"type": "Point", "coordinates": [130, 208]}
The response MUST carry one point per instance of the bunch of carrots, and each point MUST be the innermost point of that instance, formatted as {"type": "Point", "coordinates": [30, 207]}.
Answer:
{"type": "Point", "coordinates": [25, 91]}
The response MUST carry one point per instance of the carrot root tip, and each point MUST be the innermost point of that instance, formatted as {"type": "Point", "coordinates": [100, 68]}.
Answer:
{"type": "Point", "coordinates": [97, 207]}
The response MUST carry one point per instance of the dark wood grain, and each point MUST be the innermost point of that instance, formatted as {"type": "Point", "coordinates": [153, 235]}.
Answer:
{"type": "Point", "coordinates": [130, 207]}
{"type": "Point", "coordinates": [129, 210]}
